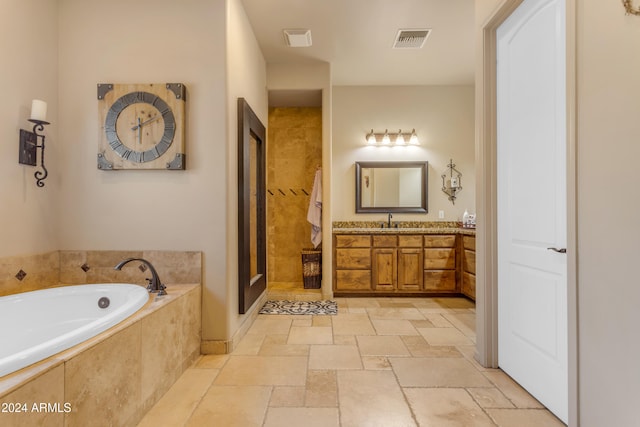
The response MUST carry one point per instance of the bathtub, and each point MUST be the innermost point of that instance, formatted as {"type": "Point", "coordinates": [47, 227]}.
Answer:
{"type": "Point", "coordinates": [39, 324]}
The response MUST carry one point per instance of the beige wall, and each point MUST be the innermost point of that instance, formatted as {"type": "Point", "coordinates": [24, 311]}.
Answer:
{"type": "Point", "coordinates": [139, 42]}
{"type": "Point", "coordinates": [29, 49]}
{"type": "Point", "coordinates": [443, 117]}
{"type": "Point", "coordinates": [155, 41]}
{"type": "Point", "coordinates": [68, 47]}
{"type": "Point", "coordinates": [246, 78]}
{"type": "Point", "coordinates": [608, 148]}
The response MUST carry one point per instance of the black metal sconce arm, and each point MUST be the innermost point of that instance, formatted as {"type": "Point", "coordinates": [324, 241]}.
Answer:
{"type": "Point", "coordinates": [28, 154]}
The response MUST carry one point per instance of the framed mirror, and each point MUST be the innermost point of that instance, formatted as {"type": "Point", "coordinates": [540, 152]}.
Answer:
{"type": "Point", "coordinates": [391, 187]}
{"type": "Point", "coordinates": [252, 274]}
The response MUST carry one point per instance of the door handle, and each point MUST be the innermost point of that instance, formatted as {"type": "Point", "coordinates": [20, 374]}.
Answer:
{"type": "Point", "coordinates": [560, 251]}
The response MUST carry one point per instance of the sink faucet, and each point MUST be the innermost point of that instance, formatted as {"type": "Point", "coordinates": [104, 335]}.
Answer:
{"type": "Point", "coordinates": [389, 220]}
{"type": "Point", "coordinates": [155, 285]}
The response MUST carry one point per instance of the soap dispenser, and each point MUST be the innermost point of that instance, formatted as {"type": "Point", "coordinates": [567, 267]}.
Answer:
{"type": "Point", "coordinates": [465, 219]}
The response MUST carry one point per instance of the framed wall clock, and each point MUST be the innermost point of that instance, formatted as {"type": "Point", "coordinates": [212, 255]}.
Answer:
{"type": "Point", "coordinates": [142, 126]}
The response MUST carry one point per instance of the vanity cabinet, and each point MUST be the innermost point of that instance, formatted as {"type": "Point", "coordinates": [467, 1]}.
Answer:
{"type": "Point", "coordinates": [388, 263]}
{"type": "Point", "coordinates": [395, 263]}
{"type": "Point", "coordinates": [468, 287]}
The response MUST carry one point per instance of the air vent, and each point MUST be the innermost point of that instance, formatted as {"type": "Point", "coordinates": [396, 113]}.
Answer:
{"type": "Point", "coordinates": [297, 38]}
{"type": "Point", "coordinates": [411, 39]}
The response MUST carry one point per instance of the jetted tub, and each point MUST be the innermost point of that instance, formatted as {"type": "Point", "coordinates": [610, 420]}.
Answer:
{"type": "Point", "coordinates": [39, 324]}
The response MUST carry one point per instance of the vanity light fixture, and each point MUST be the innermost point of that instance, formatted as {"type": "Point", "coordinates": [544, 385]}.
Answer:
{"type": "Point", "coordinates": [387, 139]}
{"type": "Point", "coordinates": [28, 149]}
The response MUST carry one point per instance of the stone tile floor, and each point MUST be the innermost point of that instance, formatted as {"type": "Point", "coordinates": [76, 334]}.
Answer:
{"type": "Point", "coordinates": [380, 362]}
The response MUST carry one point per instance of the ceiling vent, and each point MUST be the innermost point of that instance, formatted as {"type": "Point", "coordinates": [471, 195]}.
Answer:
{"type": "Point", "coordinates": [297, 38]}
{"type": "Point", "coordinates": [411, 39]}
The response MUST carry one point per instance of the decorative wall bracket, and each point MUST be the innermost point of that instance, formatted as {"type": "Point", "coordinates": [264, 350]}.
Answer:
{"type": "Point", "coordinates": [630, 9]}
{"type": "Point", "coordinates": [28, 149]}
{"type": "Point", "coordinates": [452, 184]}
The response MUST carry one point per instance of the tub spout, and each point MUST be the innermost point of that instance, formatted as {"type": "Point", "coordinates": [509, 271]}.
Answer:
{"type": "Point", "coordinates": [155, 285]}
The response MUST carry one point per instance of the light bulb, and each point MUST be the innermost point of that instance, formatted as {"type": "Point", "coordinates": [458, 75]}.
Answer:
{"type": "Point", "coordinates": [414, 138]}
{"type": "Point", "coordinates": [371, 138]}
{"type": "Point", "coordinates": [385, 139]}
{"type": "Point", "coordinates": [400, 138]}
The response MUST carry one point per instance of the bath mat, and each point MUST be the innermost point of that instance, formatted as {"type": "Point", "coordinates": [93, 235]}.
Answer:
{"type": "Point", "coordinates": [300, 307]}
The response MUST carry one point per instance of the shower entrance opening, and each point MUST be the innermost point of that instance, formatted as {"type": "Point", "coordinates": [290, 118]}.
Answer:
{"type": "Point", "coordinates": [294, 163]}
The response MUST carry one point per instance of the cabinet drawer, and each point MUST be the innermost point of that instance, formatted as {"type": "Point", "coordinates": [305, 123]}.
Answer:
{"type": "Point", "coordinates": [469, 242]}
{"type": "Point", "coordinates": [439, 259]}
{"type": "Point", "coordinates": [469, 285]}
{"type": "Point", "coordinates": [352, 241]}
{"type": "Point", "coordinates": [384, 241]}
{"type": "Point", "coordinates": [440, 280]}
{"type": "Point", "coordinates": [353, 258]}
{"type": "Point", "coordinates": [440, 241]}
{"type": "Point", "coordinates": [358, 280]}
{"type": "Point", "coordinates": [469, 261]}
{"type": "Point", "coordinates": [410, 241]}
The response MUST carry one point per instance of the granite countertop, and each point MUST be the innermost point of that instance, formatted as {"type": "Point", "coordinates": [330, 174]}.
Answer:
{"type": "Point", "coordinates": [402, 227]}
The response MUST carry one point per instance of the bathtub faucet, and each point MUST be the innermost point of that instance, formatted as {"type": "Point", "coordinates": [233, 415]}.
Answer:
{"type": "Point", "coordinates": [155, 285]}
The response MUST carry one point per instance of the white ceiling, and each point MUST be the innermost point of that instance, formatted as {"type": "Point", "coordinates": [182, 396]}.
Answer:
{"type": "Point", "coordinates": [356, 38]}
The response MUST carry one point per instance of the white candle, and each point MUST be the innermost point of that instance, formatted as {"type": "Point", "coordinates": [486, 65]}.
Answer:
{"type": "Point", "coordinates": [38, 110]}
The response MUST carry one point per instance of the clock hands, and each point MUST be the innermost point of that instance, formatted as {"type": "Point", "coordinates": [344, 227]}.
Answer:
{"type": "Point", "coordinates": [139, 125]}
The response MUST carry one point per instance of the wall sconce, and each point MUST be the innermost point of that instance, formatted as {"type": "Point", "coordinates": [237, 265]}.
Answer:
{"type": "Point", "coordinates": [387, 139]}
{"type": "Point", "coordinates": [28, 154]}
{"type": "Point", "coordinates": [630, 10]}
{"type": "Point", "coordinates": [452, 185]}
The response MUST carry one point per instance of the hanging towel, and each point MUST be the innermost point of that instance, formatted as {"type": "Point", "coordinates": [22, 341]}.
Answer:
{"type": "Point", "coordinates": [314, 214]}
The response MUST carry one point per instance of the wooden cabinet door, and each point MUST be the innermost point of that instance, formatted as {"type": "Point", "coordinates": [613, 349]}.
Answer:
{"type": "Point", "coordinates": [410, 269]}
{"type": "Point", "coordinates": [469, 285]}
{"type": "Point", "coordinates": [384, 269]}
{"type": "Point", "coordinates": [469, 262]}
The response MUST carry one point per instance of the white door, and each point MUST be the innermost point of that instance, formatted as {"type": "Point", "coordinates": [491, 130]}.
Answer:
{"type": "Point", "coordinates": [532, 279]}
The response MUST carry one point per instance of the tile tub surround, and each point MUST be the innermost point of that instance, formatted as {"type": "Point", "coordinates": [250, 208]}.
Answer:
{"type": "Point", "coordinates": [80, 267]}
{"type": "Point", "coordinates": [42, 270]}
{"type": "Point", "coordinates": [115, 377]}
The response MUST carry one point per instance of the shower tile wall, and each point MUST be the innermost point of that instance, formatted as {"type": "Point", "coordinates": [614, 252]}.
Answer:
{"type": "Point", "coordinates": [294, 152]}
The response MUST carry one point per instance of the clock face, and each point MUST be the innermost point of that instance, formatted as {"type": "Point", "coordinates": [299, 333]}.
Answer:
{"type": "Point", "coordinates": [140, 127]}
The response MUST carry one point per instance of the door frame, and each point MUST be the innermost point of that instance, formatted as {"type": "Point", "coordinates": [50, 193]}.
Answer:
{"type": "Point", "coordinates": [486, 199]}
